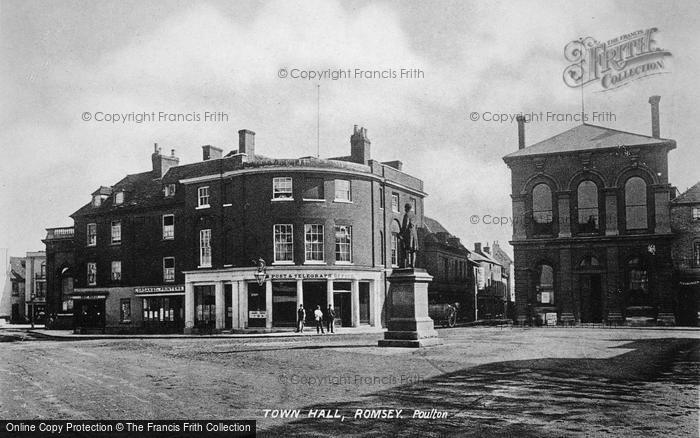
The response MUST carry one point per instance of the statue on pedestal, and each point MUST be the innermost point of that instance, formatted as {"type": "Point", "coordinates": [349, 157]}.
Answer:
{"type": "Point", "coordinates": [408, 236]}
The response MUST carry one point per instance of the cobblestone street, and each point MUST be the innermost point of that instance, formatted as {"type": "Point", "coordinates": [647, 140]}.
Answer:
{"type": "Point", "coordinates": [488, 381]}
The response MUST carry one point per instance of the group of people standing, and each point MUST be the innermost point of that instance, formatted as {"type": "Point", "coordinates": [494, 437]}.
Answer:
{"type": "Point", "coordinates": [320, 318]}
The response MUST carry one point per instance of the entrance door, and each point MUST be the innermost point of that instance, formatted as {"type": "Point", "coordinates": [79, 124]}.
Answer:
{"type": "Point", "coordinates": [343, 309]}
{"type": "Point", "coordinates": [314, 295]}
{"type": "Point", "coordinates": [256, 305]}
{"type": "Point", "coordinates": [591, 298]}
{"type": "Point", "coordinates": [90, 314]}
{"type": "Point", "coordinates": [687, 314]}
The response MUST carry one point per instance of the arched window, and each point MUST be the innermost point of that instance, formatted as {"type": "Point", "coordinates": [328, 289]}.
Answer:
{"type": "Point", "coordinates": [545, 284]}
{"type": "Point", "coordinates": [637, 283]}
{"type": "Point", "coordinates": [587, 195]}
{"type": "Point", "coordinates": [636, 203]}
{"type": "Point", "coordinates": [542, 209]}
{"type": "Point", "coordinates": [589, 262]}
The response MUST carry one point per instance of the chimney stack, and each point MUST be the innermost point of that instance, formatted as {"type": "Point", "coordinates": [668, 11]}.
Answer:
{"type": "Point", "coordinates": [161, 163]}
{"type": "Point", "coordinates": [246, 143]}
{"type": "Point", "coordinates": [487, 250]}
{"type": "Point", "coordinates": [360, 146]}
{"type": "Point", "coordinates": [477, 246]}
{"type": "Point", "coordinates": [211, 153]}
{"type": "Point", "coordinates": [655, 129]}
{"type": "Point", "coordinates": [521, 131]}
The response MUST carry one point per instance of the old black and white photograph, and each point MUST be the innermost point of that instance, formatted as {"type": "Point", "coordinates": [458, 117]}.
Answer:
{"type": "Point", "coordinates": [330, 218]}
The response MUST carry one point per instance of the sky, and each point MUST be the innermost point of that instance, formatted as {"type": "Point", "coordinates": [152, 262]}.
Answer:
{"type": "Point", "coordinates": [62, 60]}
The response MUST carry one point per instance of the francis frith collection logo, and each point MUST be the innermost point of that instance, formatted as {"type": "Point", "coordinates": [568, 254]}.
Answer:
{"type": "Point", "coordinates": [616, 62]}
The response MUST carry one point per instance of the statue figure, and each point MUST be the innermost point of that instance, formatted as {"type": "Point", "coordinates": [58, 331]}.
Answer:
{"type": "Point", "coordinates": [408, 236]}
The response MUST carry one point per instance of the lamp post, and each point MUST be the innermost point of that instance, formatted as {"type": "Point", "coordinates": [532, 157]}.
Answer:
{"type": "Point", "coordinates": [261, 274]}
{"type": "Point", "coordinates": [31, 309]}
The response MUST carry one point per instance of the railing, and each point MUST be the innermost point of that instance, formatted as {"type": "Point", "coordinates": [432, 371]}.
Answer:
{"type": "Point", "coordinates": [60, 233]}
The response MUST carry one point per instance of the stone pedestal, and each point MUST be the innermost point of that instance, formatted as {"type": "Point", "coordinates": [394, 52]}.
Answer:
{"type": "Point", "coordinates": [409, 324]}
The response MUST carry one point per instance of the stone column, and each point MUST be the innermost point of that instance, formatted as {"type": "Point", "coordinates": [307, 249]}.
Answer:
{"type": "Point", "coordinates": [189, 308]}
{"type": "Point", "coordinates": [564, 204]}
{"type": "Point", "coordinates": [220, 306]}
{"type": "Point", "coordinates": [565, 298]}
{"type": "Point", "coordinates": [329, 293]}
{"type": "Point", "coordinates": [268, 304]}
{"type": "Point", "coordinates": [243, 303]}
{"type": "Point", "coordinates": [355, 302]}
{"type": "Point", "coordinates": [520, 219]}
{"type": "Point", "coordinates": [373, 314]}
{"type": "Point", "coordinates": [611, 211]}
{"type": "Point", "coordinates": [235, 304]}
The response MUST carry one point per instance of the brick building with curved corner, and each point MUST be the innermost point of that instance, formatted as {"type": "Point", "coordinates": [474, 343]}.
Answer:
{"type": "Point", "coordinates": [179, 248]}
{"type": "Point", "coordinates": [592, 236]}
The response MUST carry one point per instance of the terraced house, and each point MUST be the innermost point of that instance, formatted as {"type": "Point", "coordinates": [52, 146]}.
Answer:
{"type": "Point", "coordinates": [239, 241]}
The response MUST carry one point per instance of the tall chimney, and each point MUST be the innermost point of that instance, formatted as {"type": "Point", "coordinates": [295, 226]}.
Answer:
{"type": "Point", "coordinates": [487, 250]}
{"type": "Point", "coordinates": [655, 129]}
{"type": "Point", "coordinates": [246, 143]}
{"type": "Point", "coordinates": [521, 131]}
{"type": "Point", "coordinates": [360, 146]}
{"type": "Point", "coordinates": [477, 246]}
{"type": "Point", "coordinates": [211, 153]}
{"type": "Point", "coordinates": [161, 163]}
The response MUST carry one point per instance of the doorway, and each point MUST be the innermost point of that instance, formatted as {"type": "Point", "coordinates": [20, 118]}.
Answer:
{"type": "Point", "coordinates": [284, 304]}
{"type": "Point", "coordinates": [257, 310]}
{"type": "Point", "coordinates": [343, 309]}
{"type": "Point", "coordinates": [315, 294]}
{"type": "Point", "coordinates": [591, 298]}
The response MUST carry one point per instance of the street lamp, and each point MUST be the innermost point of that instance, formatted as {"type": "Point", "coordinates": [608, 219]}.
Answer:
{"type": "Point", "coordinates": [261, 274]}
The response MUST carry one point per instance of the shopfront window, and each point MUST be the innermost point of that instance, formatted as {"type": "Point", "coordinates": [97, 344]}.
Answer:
{"type": "Point", "coordinates": [125, 310]}
{"type": "Point", "coordinates": [284, 304]}
{"type": "Point", "coordinates": [204, 305]}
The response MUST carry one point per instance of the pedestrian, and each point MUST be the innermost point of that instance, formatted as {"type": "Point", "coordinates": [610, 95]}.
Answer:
{"type": "Point", "coordinates": [330, 318]}
{"type": "Point", "coordinates": [301, 317]}
{"type": "Point", "coordinates": [318, 316]}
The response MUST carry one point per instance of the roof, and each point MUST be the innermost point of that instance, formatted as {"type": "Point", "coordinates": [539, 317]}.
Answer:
{"type": "Point", "coordinates": [690, 196]}
{"type": "Point", "coordinates": [587, 137]}
{"type": "Point", "coordinates": [481, 257]}
{"type": "Point", "coordinates": [140, 188]}
{"type": "Point", "coordinates": [433, 226]}
{"type": "Point", "coordinates": [226, 164]}
{"type": "Point", "coordinates": [103, 190]}
{"type": "Point", "coordinates": [17, 267]}
{"type": "Point", "coordinates": [435, 232]}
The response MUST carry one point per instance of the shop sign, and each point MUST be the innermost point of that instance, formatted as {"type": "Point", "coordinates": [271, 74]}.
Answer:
{"type": "Point", "coordinates": [307, 276]}
{"type": "Point", "coordinates": [159, 289]}
{"type": "Point", "coordinates": [551, 318]}
{"type": "Point", "coordinates": [690, 283]}
{"type": "Point", "coordinates": [544, 297]}
{"type": "Point", "coordinates": [88, 297]}
{"type": "Point", "coordinates": [257, 314]}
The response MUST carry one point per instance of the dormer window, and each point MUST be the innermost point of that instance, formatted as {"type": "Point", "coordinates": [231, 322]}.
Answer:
{"type": "Point", "coordinates": [119, 198]}
{"type": "Point", "coordinates": [96, 201]}
{"type": "Point", "coordinates": [169, 190]}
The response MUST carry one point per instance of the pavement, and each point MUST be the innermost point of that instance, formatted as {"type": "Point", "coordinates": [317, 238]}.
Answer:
{"type": "Point", "coordinates": [487, 381]}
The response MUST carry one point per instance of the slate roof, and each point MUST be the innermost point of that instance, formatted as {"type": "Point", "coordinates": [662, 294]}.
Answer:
{"type": "Point", "coordinates": [690, 196]}
{"type": "Point", "coordinates": [587, 137]}
{"type": "Point", "coordinates": [139, 188]}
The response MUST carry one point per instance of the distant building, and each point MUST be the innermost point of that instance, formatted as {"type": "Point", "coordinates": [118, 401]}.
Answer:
{"type": "Point", "coordinates": [498, 254]}
{"type": "Point", "coordinates": [492, 291]}
{"type": "Point", "coordinates": [685, 224]}
{"type": "Point", "coordinates": [447, 260]}
{"type": "Point", "coordinates": [60, 261]}
{"type": "Point", "coordinates": [592, 236]}
{"type": "Point", "coordinates": [18, 287]}
{"type": "Point", "coordinates": [35, 287]}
